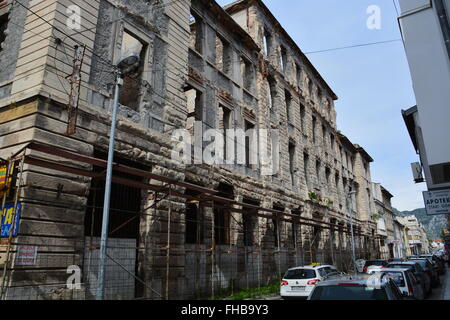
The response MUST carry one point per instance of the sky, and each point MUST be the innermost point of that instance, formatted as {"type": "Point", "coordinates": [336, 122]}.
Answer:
{"type": "Point", "coordinates": [373, 83]}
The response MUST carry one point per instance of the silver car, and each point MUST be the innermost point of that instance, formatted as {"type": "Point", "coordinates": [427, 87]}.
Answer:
{"type": "Point", "coordinates": [356, 289]}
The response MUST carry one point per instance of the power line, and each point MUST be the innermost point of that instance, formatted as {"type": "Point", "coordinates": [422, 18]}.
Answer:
{"type": "Point", "coordinates": [396, 9]}
{"type": "Point", "coordinates": [353, 46]}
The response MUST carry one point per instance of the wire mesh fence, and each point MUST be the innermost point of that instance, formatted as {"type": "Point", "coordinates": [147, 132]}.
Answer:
{"type": "Point", "coordinates": [164, 243]}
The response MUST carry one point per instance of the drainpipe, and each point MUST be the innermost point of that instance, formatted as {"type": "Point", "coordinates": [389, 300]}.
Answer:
{"type": "Point", "coordinates": [444, 22]}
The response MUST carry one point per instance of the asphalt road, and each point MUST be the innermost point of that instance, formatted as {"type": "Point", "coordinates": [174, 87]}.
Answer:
{"type": "Point", "coordinates": [442, 292]}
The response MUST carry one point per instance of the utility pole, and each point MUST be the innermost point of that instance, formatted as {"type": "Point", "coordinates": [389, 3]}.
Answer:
{"type": "Point", "coordinates": [125, 67]}
{"type": "Point", "coordinates": [75, 84]}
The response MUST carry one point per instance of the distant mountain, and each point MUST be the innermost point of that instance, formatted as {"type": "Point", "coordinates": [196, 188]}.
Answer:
{"type": "Point", "coordinates": [433, 224]}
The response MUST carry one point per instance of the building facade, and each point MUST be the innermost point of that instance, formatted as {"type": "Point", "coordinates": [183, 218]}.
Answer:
{"type": "Point", "coordinates": [177, 229]}
{"type": "Point", "coordinates": [427, 22]}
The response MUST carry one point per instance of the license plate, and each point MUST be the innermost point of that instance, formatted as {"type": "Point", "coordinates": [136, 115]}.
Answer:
{"type": "Point", "coordinates": [298, 288]}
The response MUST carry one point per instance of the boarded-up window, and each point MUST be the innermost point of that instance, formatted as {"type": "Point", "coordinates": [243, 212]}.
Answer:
{"type": "Point", "coordinates": [130, 91]}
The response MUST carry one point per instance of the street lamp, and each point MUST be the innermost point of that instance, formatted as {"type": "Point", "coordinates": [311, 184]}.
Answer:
{"type": "Point", "coordinates": [350, 209]}
{"type": "Point", "coordinates": [125, 66]}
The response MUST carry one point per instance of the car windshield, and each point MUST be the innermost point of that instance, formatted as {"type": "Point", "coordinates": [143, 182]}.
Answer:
{"type": "Point", "coordinates": [343, 292]}
{"type": "Point", "coordinates": [423, 263]}
{"type": "Point", "coordinates": [300, 274]}
{"type": "Point", "coordinates": [374, 263]}
{"type": "Point", "coordinates": [401, 266]}
{"type": "Point", "coordinates": [397, 277]}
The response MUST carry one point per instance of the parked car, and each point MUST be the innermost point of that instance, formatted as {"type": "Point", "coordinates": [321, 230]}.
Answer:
{"type": "Point", "coordinates": [418, 272]}
{"type": "Point", "coordinates": [395, 260]}
{"type": "Point", "coordinates": [430, 269]}
{"type": "Point", "coordinates": [356, 289]}
{"type": "Point", "coordinates": [373, 266]}
{"type": "Point", "coordinates": [438, 260]}
{"type": "Point", "coordinates": [300, 281]}
{"type": "Point", "coordinates": [406, 281]}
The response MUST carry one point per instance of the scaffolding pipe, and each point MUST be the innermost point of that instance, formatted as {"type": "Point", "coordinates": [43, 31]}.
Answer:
{"type": "Point", "coordinates": [11, 230]}
{"type": "Point", "coordinates": [213, 248]}
{"type": "Point", "coordinates": [168, 244]}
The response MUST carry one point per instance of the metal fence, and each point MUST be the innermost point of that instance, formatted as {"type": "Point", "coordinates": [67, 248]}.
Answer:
{"type": "Point", "coordinates": [181, 245]}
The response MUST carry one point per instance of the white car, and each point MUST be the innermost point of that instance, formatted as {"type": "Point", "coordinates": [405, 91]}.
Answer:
{"type": "Point", "coordinates": [300, 281]}
{"type": "Point", "coordinates": [406, 281]}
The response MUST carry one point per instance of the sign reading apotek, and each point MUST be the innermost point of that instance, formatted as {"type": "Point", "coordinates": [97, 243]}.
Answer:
{"type": "Point", "coordinates": [437, 202]}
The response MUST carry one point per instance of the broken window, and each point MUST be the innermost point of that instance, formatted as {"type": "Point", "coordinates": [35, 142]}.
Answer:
{"type": "Point", "coordinates": [327, 175]}
{"type": "Point", "coordinates": [249, 223]}
{"type": "Point", "coordinates": [318, 170]}
{"type": "Point", "coordinates": [194, 107]}
{"type": "Point", "coordinates": [248, 74]}
{"type": "Point", "coordinates": [283, 58]}
{"type": "Point", "coordinates": [288, 99]}
{"type": "Point", "coordinates": [314, 125]}
{"type": "Point", "coordinates": [272, 92]}
{"type": "Point", "coordinates": [194, 232]}
{"type": "Point", "coordinates": [324, 135]}
{"type": "Point", "coordinates": [130, 90]}
{"type": "Point", "coordinates": [266, 43]}
{"type": "Point", "coordinates": [3, 26]}
{"type": "Point", "coordinates": [298, 75]}
{"type": "Point", "coordinates": [195, 38]}
{"type": "Point", "coordinates": [305, 167]}
{"type": "Point", "coordinates": [332, 141]}
{"type": "Point", "coordinates": [276, 227]}
{"type": "Point", "coordinates": [249, 142]}
{"type": "Point", "coordinates": [336, 181]}
{"type": "Point", "coordinates": [319, 94]}
{"type": "Point", "coordinates": [292, 162]}
{"type": "Point", "coordinates": [225, 125]}
{"type": "Point", "coordinates": [310, 87]}
{"type": "Point", "coordinates": [303, 117]}
{"type": "Point", "coordinates": [223, 55]}
{"type": "Point", "coordinates": [125, 206]}
{"type": "Point", "coordinates": [222, 216]}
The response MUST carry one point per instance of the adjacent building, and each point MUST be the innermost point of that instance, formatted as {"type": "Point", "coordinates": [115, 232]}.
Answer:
{"type": "Point", "coordinates": [425, 28]}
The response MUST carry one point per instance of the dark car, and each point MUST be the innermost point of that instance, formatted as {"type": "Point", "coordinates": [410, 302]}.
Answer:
{"type": "Point", "coordinates": [438, 260]}
{"type": "Point", "coordinates": [418, 271]}
{"type": "Point", "coordinates": [356, 289]}
{"type": "Point", "coordinates": [428, 267]}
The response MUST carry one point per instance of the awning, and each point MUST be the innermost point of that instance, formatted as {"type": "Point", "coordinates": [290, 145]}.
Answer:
{"type": "Point", "coordinates": [408, 117]}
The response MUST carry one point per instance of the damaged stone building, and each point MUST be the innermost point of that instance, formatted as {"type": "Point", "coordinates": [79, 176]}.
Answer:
{"type": "Point", "coordinates": [231, 227]}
